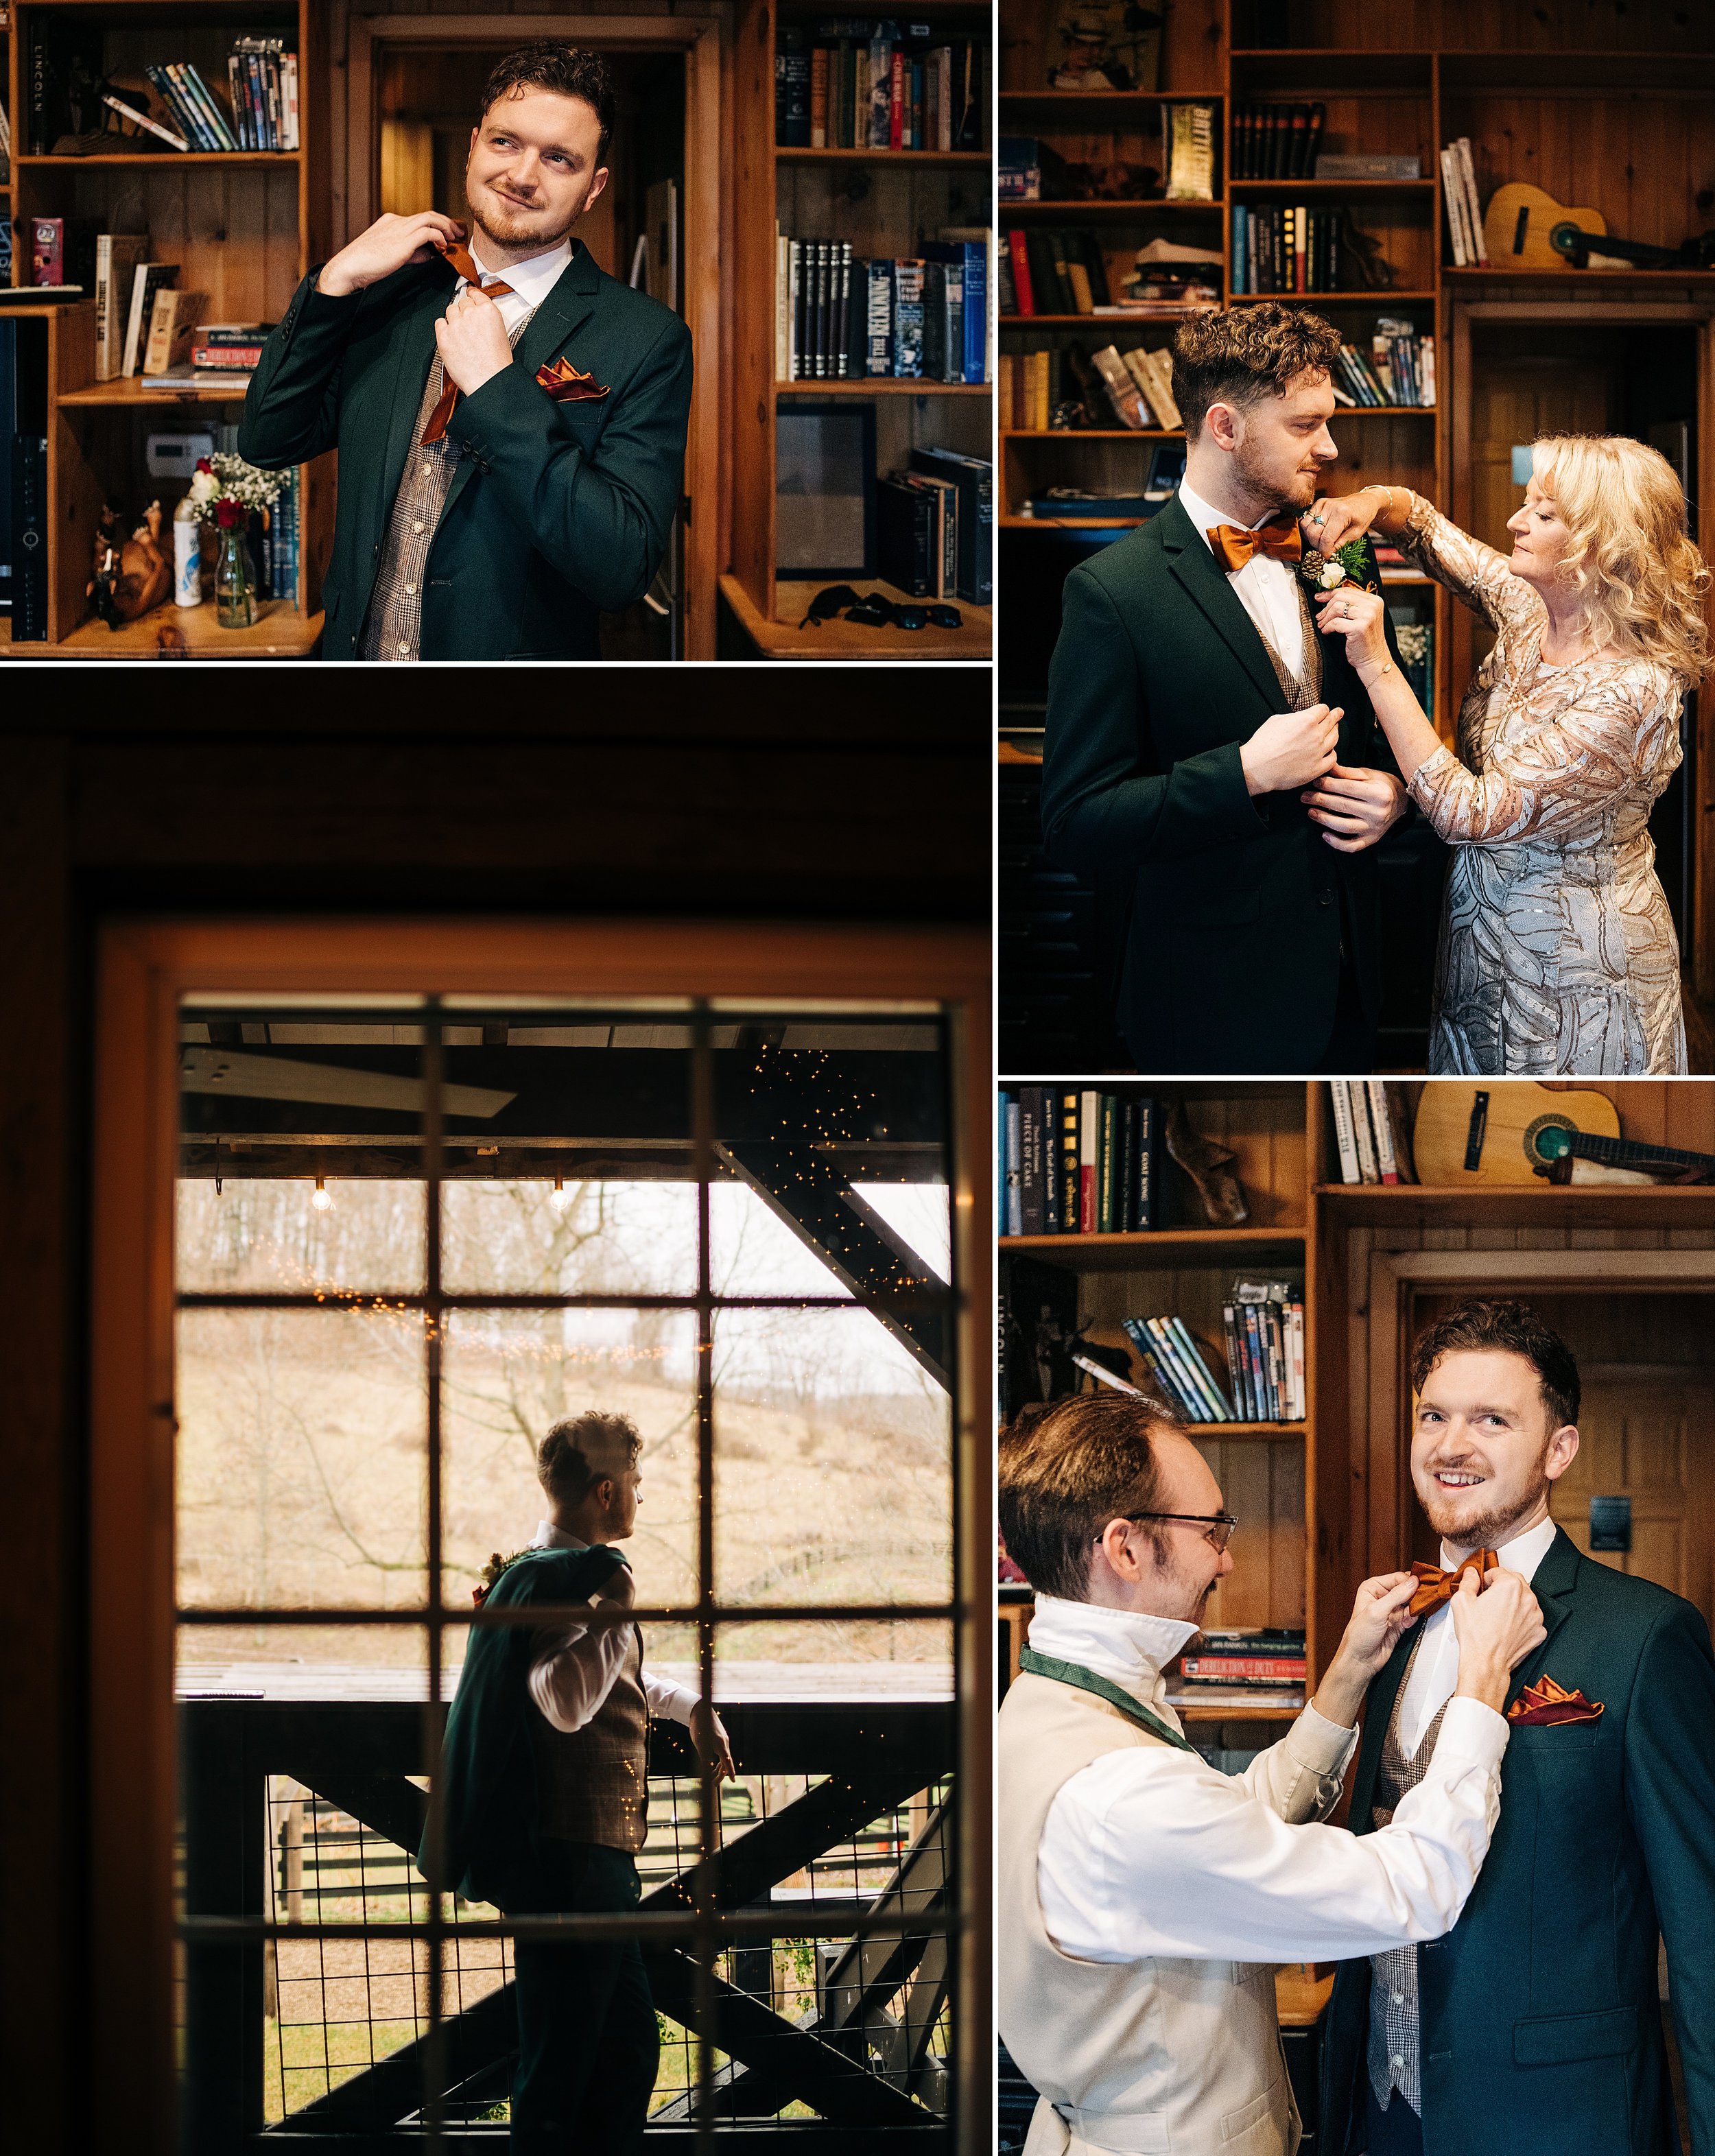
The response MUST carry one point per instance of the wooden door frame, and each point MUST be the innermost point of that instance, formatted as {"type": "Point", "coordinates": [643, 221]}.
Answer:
{"type": "Point", "coordinates": [144, 970]}
{"type": "Point", "coordinates": [701, 38]}
{"type": "Point", "coordinates": [1382, 1499]}
{"type": "Point", "coordinates": [1697, 315]}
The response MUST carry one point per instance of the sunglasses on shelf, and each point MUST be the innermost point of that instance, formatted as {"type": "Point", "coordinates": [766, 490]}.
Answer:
{"type": "Point", "coordinates": [875, 610]}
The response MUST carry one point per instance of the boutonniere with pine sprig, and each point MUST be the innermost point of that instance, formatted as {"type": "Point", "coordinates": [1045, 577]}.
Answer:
{"type": "Point", "coordinates": [1347, 565]}
{"type": "Point", "coordinates": [491, 1571]}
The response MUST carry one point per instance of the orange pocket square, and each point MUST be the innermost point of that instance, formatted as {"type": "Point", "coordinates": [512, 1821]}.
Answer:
{"type": "Point", "coordinates": [567, 386]}
{"type": "Point", "coordinates": [1540, 1705]}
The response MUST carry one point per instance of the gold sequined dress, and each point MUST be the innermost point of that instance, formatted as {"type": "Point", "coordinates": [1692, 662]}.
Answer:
{"type": "Point", "coordinates": [1557, 953]}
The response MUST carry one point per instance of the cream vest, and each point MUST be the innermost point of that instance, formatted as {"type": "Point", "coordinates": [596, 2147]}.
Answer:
{"type": "Point", "coordinates": [1178, 2058]}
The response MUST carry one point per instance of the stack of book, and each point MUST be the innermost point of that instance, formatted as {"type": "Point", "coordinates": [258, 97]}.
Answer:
{"type": "Point", "coordinates": [1079, 1162]}
{"type": "Point", "coordinates": [863, 85]}
{"type": "Point", "coordinates": [917, 533]}
{"type": "Point", "coordinates": [1465, 217]}
{"type": "Point", "coordinates": [1172, 281]}
{"type": "Point", "coordinates": [188, 114]}
{"type": "Point", "coordinates": [1398, 369]}
{"type": "Point", "coordinates": [1280, 246]}
{"type": "Point", "coordinates": [1056, 269]}
{"type": "Point", "coordinates": [1372, 1130]}
{"type": "Point", "coordinates": [1173, 1365]}
{"type": "Point", "coordinates": [841, 317]}
{"type": "Point", "coordinates": [1139, 385]}
{"type": "Point", "coordinates": [1276, 141]}
{"type": "Point", "coordinates": [1020, 169]}
{"type": "Point", "coordinates": [1263, 1324]}
{"type": "Point", "coordinates": [1242, 1666]}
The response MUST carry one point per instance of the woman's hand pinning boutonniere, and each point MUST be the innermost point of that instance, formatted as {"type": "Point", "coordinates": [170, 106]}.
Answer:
{"type": "Point", "coordinates": [491, 1571]}
{"type": "Point", "coordinates": [1347, 565]}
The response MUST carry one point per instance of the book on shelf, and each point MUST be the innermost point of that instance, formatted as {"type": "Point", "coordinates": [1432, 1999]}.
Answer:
{"type": "Point", "coordinates": [916, 533]}
{"type": "Point", "coordinates": [62, 251]}
{"type": "Point", "coordinates": [1364, 165]}
{"type": "Point", "coordinates": [117, 255]}
{"type": "Point", "coordinates": [1277, 141]}
{"type": "Point", "coordinates": [60, 66]}
{"type": "Point", "coordinates": [1188, 152]}
{"type": "Point", "coordinates": [149, 279]}
{"type": "Point", "coordinates": [1288, 248]}
{"type": "Point", "coordinates": [1239, 1697]}
{"type": "Point", "coordinates": [1463, 213]}
{"type": "Point", "coordinates": [841, 317]}
{"type": "Point", "coordinates": [1372, 1130]}
{"type": "Point", "coordinates": [1019, 173]}
{"type": "Point", "coordinates": [173, 329]}
{"type": "Point", "coordinates": [1138, 382]}
{"type": "Point", "coordinates": [864, 83]}
{"type": "Point", "coordinates": [973, 479]}
{"type": "Point", "coordinates": [1089, 1164]}
{"type": "Point", "coordinates": [1247, 1654]}
{"type": "Point", "coordinates": [1262, 1329]}
{"type": "Point", "coordinates": [1173, 1361]}
{"type": "Point", "coordinates": [140, 119]}
{"type": "Point", "coordinates": [963, 254]}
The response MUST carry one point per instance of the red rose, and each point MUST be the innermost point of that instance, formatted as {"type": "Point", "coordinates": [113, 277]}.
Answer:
{"type": "Point", "coordinates": [227, 513]}
{"type": "Point", "coordinates": [204, 464]}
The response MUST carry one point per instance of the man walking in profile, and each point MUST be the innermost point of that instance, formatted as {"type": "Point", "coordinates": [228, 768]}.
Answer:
{"type": "Point", "coordinates": [545, 1782]}
{"type": "Point", "coordinates": [510, 420]}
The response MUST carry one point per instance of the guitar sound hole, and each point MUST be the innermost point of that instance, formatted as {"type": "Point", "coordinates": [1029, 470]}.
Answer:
{"type": "Point", "coordinates": [1550, 1139]}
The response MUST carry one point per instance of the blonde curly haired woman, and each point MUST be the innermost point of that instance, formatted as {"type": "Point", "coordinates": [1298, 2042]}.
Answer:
{"type": "Point", "coordinates": [1556, 952]}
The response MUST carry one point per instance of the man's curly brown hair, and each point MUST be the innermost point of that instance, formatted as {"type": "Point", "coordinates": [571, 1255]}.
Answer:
{"type": "Point", "coordinates": [1246, 354]}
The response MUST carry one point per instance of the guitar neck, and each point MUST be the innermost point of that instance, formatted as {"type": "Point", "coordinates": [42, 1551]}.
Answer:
{"type": "Point", "coordinates": [1630, 1152]}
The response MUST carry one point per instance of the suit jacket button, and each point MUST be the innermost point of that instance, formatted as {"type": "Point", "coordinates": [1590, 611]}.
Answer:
{"type": "Point", "coordinates": [1324, 898]}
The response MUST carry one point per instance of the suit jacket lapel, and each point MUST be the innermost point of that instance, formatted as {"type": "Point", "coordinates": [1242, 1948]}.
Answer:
{"type": "Point", "coordinates": [1378, 1711]}
{"type": "Point", "coordinates": [414, 355]}
{"type": "Point", "coordinates": [1555, 1586]}
{"type": "Point", "coordinates": [565, 310]}
{"type": "Point", "coordinates": [1204, 579]}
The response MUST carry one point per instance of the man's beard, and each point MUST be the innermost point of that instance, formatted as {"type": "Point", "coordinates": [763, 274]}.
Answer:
{"type": "Point", "coordinates": [1482, 1530]}
{"type": "Point", "coordinates": [1296, 492]}
{"type": "Point", "coordinates": [515, 232]}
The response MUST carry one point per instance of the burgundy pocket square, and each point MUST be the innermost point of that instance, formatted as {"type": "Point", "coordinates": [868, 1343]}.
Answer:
{"type": "Point", "coordinates": [567, 386]}
{"type": "Point", "coordinates": [1540, 1706]}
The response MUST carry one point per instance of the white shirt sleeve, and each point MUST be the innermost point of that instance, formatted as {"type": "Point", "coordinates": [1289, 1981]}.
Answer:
{"type": "Point", "coordinates": [574, 1670]}
{"type": "Point", "coordinates": [1150, 1852]}
{"type": "Point", "coordinates": [1300, 1778]}
{"type": "Point", "coordinates": [667, 1701]}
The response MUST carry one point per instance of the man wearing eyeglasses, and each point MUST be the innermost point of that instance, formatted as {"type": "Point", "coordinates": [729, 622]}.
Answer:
{"type": "Point", "coordinates": [1144, 1897]}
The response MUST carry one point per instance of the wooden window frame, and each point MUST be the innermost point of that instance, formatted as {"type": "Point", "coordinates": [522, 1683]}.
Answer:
{"type": "Point", "coordinates": [144, 970]}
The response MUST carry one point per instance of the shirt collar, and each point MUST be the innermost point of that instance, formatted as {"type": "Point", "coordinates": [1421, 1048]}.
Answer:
{"type": "Point", "coordinates": [1205, 515]}
{"type": "Point", "coordinates": [1123, 1646]}
{"type": "Point", "coordinates": [1522, 1555]}
{"type": "Point", "coordinates": [549, 1537]}
{"type": "Point", "coordinates": [535, 277]}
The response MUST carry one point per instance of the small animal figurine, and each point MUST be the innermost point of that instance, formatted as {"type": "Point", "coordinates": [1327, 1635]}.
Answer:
{"type": "Point", "coordinates": [130, 576]}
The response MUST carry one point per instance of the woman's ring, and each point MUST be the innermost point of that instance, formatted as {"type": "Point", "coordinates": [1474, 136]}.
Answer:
{"type": "Point", "coordinates": [1318, 520]}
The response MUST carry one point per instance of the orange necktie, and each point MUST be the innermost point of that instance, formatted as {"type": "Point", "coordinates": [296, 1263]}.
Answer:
{"type": "Point", "coordinates": [1435, 1587]}
{"type": "Point", "coordinates": [1278, 541]}
{"type": "Point", "coordinates": [465, 263]}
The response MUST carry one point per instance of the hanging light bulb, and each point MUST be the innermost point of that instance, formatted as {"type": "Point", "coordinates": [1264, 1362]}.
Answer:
{"type": "Point", "coordinates": [560, 1201]}
{"type": "Point", "coordinates": [319, 1197]}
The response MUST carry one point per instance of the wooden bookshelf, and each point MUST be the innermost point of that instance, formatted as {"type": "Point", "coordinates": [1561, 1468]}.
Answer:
{"type": "Point", "coordinates": [1184, 1268]}
{"type": "Point", "coordinates": [1547, 97]}
{"type": "Point", "coordinates": [884, 202]}
{"type": "Point", "coordinates": [244, 230]}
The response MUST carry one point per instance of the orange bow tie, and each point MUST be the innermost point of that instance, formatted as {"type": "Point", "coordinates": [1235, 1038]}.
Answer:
{"type": "Point", "coordinates": [1233, 546]}
{"type": "Point", "coordinates": [1435, 1587]}
{"type": "Point", "coordinates": [461, 258]}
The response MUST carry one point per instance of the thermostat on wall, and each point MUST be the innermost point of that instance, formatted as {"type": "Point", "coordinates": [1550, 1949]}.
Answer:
{"type": "Point", "coordinates": [174, 456]}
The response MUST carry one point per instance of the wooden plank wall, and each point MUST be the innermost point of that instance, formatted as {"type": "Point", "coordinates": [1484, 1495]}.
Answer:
{"type": "Point", "coordinates": [1524, 26]}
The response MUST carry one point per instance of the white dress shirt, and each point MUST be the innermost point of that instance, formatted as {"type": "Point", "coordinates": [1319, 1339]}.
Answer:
{"type": "Point", "coordinates": [1268, 591]}
{"type": "Point", "coordinates": [531, 280]}
{"type": "Point", "coordinates": [574, 1670]}
{"type": "Point", "coordinates": [1436, 1670]}
{"type": "Point", "coordinates": [1149, 1851]}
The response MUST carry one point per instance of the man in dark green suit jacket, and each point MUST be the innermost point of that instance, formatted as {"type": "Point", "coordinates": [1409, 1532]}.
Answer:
{"type": "Point", "coordinates": [1536, 2027]}
{"type": "Point", "coordinates": [1230, 832]}
{"type": "Point", "coordinates": [538, 503]}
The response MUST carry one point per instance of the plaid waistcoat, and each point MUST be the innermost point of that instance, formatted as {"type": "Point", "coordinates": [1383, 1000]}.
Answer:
{"type": "Point", "coordinates": [392, 628]}
{"type": "Point", "coordinates": [1300, 694]}
{"type": "Point", "coordinates": [592, 1784]}
{"type": "Point", "coordinates": [1395, 2055]}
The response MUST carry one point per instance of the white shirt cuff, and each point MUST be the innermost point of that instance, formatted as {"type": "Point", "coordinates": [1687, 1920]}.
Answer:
{"type": "Point", "coordinates": [1319, 1744]}
{"type": "Point", "coordinates": [1474, 1729]}
{"type": "Point", "coordinates": [668, 1701]}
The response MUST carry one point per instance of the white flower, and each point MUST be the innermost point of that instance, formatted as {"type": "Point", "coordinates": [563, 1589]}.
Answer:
{"type": "Point", "coordinates": [1330, 576]}
{"type": "Point", "coordinates": [204, 488]}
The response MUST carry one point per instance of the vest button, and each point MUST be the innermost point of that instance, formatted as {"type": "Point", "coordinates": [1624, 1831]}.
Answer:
{"type": "Point", "coordinates": [1398, 1998]}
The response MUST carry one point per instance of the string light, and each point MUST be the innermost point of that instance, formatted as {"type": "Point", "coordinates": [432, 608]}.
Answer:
{"type": "Point", "coordinates": [319, 1197]}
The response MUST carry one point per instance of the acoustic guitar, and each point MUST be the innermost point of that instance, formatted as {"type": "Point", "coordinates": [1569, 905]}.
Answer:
{"type": "Point", "coordinates": [1518, 223]}
{"type": "Point", "coordinates": [1518, 1133]}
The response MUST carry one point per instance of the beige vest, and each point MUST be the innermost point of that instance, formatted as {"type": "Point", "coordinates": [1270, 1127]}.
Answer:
{"type": "Point", "coordinates": [592, 1784]}
{"type": "Point", "coordinates": [1141, 2057]}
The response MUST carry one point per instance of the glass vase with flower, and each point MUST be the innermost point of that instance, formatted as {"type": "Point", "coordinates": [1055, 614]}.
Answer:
{"type": "Point", "coordinates": [228, 492]}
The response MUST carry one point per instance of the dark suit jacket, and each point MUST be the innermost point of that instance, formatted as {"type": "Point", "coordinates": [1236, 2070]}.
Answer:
{"type": "Point", "coordinates": [558, 511]}
{"type": "Point", "coordinates": [1541, 2027]}
{"type": "Point", "coordinates": [1236, 907]}
{"type": "Point", "coordinates": [488, 1767]}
